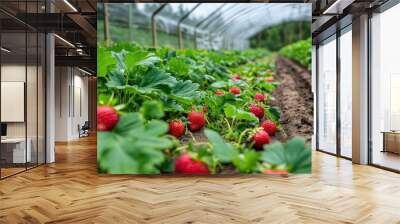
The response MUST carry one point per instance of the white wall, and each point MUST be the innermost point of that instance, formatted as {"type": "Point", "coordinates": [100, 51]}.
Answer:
{"type": "Point", "coordinates": [71, 94]}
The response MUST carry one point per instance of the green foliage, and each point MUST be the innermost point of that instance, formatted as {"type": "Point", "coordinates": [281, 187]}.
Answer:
{"type": "Point", "coordinates": [134, 146]}
{"type": "Point", "coordinates": [225, 152]}
{"type": "Point", "coordinates": [300, 52]}
{"type": "Point", "coordinates": [292, 155]}
{"type": "Point", "coordinates": [152, 110]}
{"type": "Point", "coordinates": [275, 37]}
{"type": "Point", "coordinates": [150, 86]}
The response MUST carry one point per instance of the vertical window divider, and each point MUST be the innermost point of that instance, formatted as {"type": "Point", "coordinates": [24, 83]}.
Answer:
{"type": "Point", "coordinates": [338, 76]}
{"type": "Point", "coordinates": [369, 88]}
{"type": "Point", "coordinates": [0, 93]}
{"type": "Point", "coordinates": [317, 97]}
{"type": "Point", "coordinates": [26, 86]}
{"type": "Point", "coordinates": [37, 90]}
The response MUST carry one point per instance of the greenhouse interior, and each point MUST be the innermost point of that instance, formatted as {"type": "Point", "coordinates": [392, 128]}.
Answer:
{"type": "Point", "coordinates": [336, 49]}
{"type": "Point", "coordinates": [212, 76]}
{"type": "Point", "coordinates": [199, 112]}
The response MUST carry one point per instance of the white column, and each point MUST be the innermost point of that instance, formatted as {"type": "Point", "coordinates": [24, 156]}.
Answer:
{"type": "Point", "coordinates": [50, 94]}
{"type": "Point", "coordinates": [360, 90]}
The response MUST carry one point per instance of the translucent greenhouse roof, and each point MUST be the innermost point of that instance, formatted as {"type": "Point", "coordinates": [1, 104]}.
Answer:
{"type": "Point", "coordinates": [228, 25]}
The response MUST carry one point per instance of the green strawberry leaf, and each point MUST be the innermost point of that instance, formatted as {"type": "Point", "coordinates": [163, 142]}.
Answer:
{"type": "Point", "coordinates": [230, 110]}
{"type": "Point", "coordinates": [274, 114]}
{"type": "Point", "coordinates": [224, 151]}
{"type": "Point", "coordinates": [178, 66]}
{"type": "Point", "coordinates": [155, 77]}
{"type": "Point", "coordinates": [152, 110]}
{"type": "Point", "coordinates": [117, 80]}
{"type": "Point", "coordinates": [186, 89]}
{"type": "Point", "coordinates": [245, 115]}
{"type": "Point", "coordinates": [247, 162]}
{"type": "Point", "coordinates": [293, 155]}
{"type": "Point", "coordinates": [106, 62]}
{"type": "Point", "coordinates": [133, 146]}
{"type": "Point", "coordinates": [219, 84]}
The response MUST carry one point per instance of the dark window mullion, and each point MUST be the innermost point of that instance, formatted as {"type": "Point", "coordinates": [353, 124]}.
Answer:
{"type": "Point", "coordinates": [26, 87]}
{"type": "Point", "coordinates": [338, 77]}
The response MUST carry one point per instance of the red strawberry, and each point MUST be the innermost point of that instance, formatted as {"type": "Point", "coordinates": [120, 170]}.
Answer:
{"type": "Point", "coordinates": [269, 79]}
{"type": "Point", "coordinates": [269, 127]}
{"type": "Point", "coordinates": [186, 165]}
{"type": "Point", "coordinates": [259, 97]}
{"type": "Point", "coordinates": [236, 77]}
{"type": "Point", "coordinates": [176, 128]}
{"type": "Point", "coordinates": [107, 118]}
{"type": "Point", "coordinates": [197, 120]}
{"type": "Point", "coordinates": [260, 138]}
{"type": "Point", "coordinates": [235, 90]}
{"type": "Point", "coordinates": [276, 172]}
{"type": "Point", "coordinates": [219, 92]}
{"type": "Point", "coordinates": [257, 110]}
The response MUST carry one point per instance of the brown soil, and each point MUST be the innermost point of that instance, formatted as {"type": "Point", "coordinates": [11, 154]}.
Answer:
{"type": "Point", "coordinates": [294, 98]}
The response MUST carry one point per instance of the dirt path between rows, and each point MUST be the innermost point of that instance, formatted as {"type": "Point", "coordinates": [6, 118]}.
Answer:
{"type": "Point", "coordinates": [294, 98]}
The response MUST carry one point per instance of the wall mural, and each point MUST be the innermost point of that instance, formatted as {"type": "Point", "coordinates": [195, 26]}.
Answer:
{"type": "Point", "coordinates": [168, 106]}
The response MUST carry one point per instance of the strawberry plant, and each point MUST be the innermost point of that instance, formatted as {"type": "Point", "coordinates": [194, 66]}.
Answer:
{"type": "Point", "coordinates": [300, 52]}
{"type": "Point", "coordinates": [190, 112]}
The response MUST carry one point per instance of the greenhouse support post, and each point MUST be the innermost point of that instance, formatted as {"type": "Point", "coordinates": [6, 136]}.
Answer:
{"type": "Point", "coordinates": [106, 24]}
{"type": "Point", "coordinates": [130, 21]}
{"type": "Point", "coordinates": [180, 38]}
{"type": "Point", "coordinates": [154, 25]}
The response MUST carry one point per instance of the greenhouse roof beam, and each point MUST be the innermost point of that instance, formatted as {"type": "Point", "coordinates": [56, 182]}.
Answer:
{"type": "Point", "coordinates": [226, 12]}
{"type": "Point", "coordinates": [180, 38]}
{"type": "Point", "coordinates": [237, 10]}
{"type": "Point", "coordinates": [260, 25]}
{"type": "Point", "coordinates": [244, 14]}
{"type": "Point", "coordinates": [251, 21]}
{"type": "Point", "coordinates": [201, 22]}
{"type": "Point", "coordinates": [209, 16]}
{"type": "Point", "coordinates": [153, 23]}
{"type": "Point", "coordinates": [302, 16]}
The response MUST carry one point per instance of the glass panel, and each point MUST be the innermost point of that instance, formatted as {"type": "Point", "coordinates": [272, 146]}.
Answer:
{"type": "Point", "coordinates": [13, 86]}
{"type": "Point", "coordinates": [41, 98]}
{"type": "Point", "coordinates": [31, 98]}
{"type": "Point", "coordinates": [385, 84]}
{"type": "Point", "coordinates": [327, 96]}
{"type": "Point", "coordinates": [224, 28]}
{"type": "Point", "coordinates": [346, 93]}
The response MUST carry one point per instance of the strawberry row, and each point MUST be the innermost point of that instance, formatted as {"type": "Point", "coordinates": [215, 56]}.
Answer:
{"type": "Point", "coordinates": [153, 101]}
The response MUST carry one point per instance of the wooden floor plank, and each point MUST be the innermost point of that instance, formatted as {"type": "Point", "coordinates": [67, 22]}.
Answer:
{"type": "Point", "coordinates": [71, 191]}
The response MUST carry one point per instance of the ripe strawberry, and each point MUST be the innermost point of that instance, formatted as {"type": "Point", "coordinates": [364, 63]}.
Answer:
{"type": "Point", "coordinates": [269, 127]}
{"type": "Point", "coordinates": [269, 79]}
{"type": "Point", "coordinates": [260, 138]}
{"type": "Point", "coordinates": [257, 110]}
{"type": "Point", "coordinates": [186, 165]}
{"type": "Point", "coordinates": [259, 97]}
{"type": "Point", "coordinates": [276, 172]}
{"type": "Point", "coordinates": [107, 118]}
{"type": "Point", "coordinates": [176, 128]}
{"type": "Point", "coordinates": [235, 90]}
{"type": "Point", "coordinates": [236, 77]}
{"type": "Point", "coordinates": [197, 120]}
{"type": "Point", "coordinates": [219, 92]}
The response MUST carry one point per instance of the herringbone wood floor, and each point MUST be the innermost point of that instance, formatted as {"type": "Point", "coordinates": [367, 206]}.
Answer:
{"type": "Point", "coordinates": [71, 191]}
